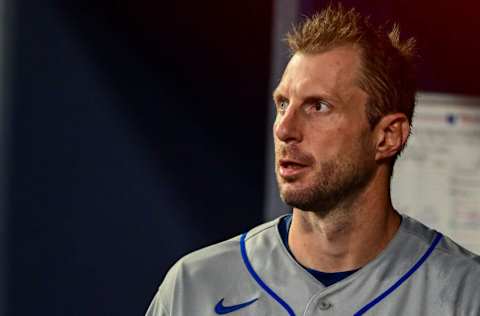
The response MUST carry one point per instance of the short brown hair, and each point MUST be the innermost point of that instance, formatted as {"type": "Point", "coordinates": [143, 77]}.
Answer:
{"type": "Point", "coordinates": [387, 63]}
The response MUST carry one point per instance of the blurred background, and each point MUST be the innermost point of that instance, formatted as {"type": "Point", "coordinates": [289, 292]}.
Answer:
{"type": "Point", "coordinates": [133, 132]}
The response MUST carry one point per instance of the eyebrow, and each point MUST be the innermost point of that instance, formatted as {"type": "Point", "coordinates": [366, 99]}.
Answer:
{"type": "Point", "coordinates": [277, 95]}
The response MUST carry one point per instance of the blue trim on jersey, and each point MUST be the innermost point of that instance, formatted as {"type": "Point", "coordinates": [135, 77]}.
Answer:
{"type": "Point", "coordinates": [417, 265]}
{"type": "Point", "coordinates": [260, 282]}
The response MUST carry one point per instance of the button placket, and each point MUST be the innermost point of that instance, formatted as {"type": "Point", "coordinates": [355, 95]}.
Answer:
{"type": "Point", "coordinates": [324, 305]}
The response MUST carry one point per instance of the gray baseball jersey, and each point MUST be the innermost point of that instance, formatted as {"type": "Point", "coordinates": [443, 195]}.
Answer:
{"type": "Point", "coordinates": [420, 272]}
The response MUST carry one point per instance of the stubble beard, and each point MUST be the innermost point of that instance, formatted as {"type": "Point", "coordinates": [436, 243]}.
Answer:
{"type": "Point", "coordinates": [333, 186]}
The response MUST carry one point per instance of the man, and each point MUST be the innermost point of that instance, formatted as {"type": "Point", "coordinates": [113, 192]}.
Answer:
{"type": "Point", "coordinates": [344, 109]}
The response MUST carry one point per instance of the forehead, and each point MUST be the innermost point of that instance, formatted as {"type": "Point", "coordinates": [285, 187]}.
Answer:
{"type": "Point", "coordinates": [333, 72]}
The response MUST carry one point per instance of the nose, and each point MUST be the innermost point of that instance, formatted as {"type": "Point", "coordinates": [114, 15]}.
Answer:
{"type": "Point", "coordinates": [287, 126]}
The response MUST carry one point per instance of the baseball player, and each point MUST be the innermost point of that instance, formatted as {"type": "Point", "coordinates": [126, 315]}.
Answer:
{"type": "Point", "coordinates": [344, 110]}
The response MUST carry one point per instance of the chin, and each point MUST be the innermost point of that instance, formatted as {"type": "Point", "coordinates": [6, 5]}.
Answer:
{"type": "Point", "coordinates": [310, 197]}
{"type": "Point", "coordinates": [296, 195]}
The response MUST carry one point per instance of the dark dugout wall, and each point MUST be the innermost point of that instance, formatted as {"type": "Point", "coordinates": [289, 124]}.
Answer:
{"type": "Point", "coordinates": [137, 136]}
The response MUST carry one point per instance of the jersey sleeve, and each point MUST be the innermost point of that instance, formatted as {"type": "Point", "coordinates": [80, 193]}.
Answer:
{"type": "Point", "coordinates": [156, 307]}
{"type": "Point", "coordinates": [161, 304]}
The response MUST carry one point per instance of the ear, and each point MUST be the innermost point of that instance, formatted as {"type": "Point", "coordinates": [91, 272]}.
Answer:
{"type": "Point", "coordinates": [391, 135]}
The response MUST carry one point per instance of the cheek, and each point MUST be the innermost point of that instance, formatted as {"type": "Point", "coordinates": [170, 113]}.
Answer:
{"type": "Point", "coordinates": [327, 138]}
{"type": "Point", "coordinates": [334, 142]}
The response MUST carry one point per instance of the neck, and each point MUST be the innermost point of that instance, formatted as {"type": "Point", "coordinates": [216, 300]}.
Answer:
{"type": "Point", "coordinates": [348, 237]}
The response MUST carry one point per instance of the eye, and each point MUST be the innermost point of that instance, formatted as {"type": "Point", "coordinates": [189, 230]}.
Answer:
{"type": "Point", "coordinates": [320, 106]}
{"type": "Point", "coordinates": [282, 105]}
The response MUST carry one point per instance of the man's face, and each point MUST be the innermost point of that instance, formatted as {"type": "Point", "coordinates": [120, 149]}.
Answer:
{"type": "Point", "coordinates": [324, 148]}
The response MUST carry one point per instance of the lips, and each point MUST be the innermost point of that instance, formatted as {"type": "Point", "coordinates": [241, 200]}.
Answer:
{"type": "Point", "coordinates": [290, 163]}
{"type": "Point", "coordinates": [289, 168]}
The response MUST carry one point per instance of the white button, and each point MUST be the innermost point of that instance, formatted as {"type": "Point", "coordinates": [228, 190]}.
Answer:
{"type": "Point", "coordinates": [324, 305]}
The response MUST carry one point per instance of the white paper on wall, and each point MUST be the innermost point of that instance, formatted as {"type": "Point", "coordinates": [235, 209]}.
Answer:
{"type": "Point", "coordinates": [437, 178]}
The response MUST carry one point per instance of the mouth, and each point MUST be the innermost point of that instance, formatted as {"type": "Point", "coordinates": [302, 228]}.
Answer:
{"type": "Point", "coordinates": [289, 168]}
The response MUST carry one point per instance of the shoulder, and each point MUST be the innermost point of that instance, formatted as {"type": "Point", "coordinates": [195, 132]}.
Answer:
{"type": "Point", "coordinates": [227, 251]}
{"type": "Point", "coordinates": [459, 271]}
{"type": "Point", "coordinates": [454, 271]}
{"type": "Point", "coordinates": [209, 269]}
{"type": "Point", "coordinates": [447, 254]}
{"type": "Point", "coordinates": [446, 251]}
